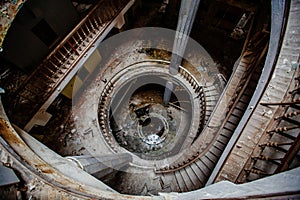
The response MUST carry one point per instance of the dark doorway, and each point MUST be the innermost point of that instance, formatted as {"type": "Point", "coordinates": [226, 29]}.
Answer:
{"type": "Point", "coordinates": [45, 33]}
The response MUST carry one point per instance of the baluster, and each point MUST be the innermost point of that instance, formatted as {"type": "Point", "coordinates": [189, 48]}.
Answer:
{"type": "Point", "coordinates": [63, 56]}
{"type": "Point", "coordinates": [67, 50]}
{"type": "Point", "coordinates": [53, 74]}
{"type": "Point", "coordinates": [72, 47]}
{"type": "Point", "coordinates": [45, 75]}
{"type": "Point", "coordinates": [256, 171]}
{"type": "Point", "coordinates": [89, 31]}
{"type": "Point", "coordinates": [266, 158]}
{"type": "Point", "coordinates": [59, 69]}
{"type": "Point", "coordinates": [92, 26]}
{"type": "Point", "coordinates": [60, 62]}
{"type": "Point", "coordinates": [288, 115]}
{"type": "Point", "coordinates": [84, 34]}
{"type": "Point", "coordinates": [105, 15]}
{"type": "Point", "coordinates": [50, 70]}
{"type": "Point", "coordinates": [87, 27]}
{"type": "Point", "coordinates": [198, 89]}
{"type": "Point", "coordinates": [69, 53]}
{"type": "Point", "coordinates": [96, 22]}
{"type": "Point", "coordinates": [111, 12]}
{"type": "Point", "coordinates": [54, 65]}
{"type": "Point", "coordinates": [45, 82]}
{"type": "Point", "coordinates": [294, 102]}
{"type": "Point", "coordinates": [76, 42]}
{"type": "Point", "coordinates": [274, 144]}
{"type": "Point", "coordinates": [281, 129]}
{"type": "Point", "coordinates": [82, 44]}
{"type": "Point", "coordinates": [80, 38]}
{"type": "Point", "coordinates": [112, 8]}
{"type": "Point", "coordinates": [101, 21]}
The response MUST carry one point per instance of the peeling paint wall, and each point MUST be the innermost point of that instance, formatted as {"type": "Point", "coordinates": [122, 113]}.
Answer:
{"type": "Point", "coordinates": [8, 11]}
